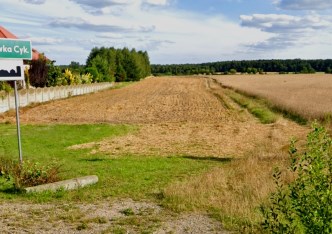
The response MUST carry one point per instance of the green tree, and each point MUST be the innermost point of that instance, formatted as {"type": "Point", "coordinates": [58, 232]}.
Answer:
{"type": "Point", "coordinates": [109, 64]}
{"type": "Point", "coordinates": [94, 73]}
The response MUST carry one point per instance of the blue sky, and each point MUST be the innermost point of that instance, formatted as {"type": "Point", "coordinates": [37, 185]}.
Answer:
{"type": "Point", "coordinates": [174, 31]}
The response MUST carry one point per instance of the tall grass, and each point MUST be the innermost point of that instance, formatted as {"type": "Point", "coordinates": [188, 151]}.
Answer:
{"type": "Point", "coordinates": [233, 192]}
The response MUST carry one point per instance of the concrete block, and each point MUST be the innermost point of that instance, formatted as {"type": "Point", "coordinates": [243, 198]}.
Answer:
{"type": "Point", "coordinates": [65, 184]}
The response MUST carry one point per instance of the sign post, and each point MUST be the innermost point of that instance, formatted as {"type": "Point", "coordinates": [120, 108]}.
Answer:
{"type": "Point", "coordinates": [12, 53]}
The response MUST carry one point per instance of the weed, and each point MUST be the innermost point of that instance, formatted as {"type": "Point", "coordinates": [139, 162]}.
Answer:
{"type": "Point", "coordinates": [127, 212]}
{"type": "Point", "coordinates": [28, 174]}
{"type": "Point", "coordinates": [82, 226]}
{"type": "Point", "coordinates": [116, 230]}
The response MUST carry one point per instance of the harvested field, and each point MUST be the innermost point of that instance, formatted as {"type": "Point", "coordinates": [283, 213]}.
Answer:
{"type": "Point", "coordinates": [308, 95]}
{"type": "Point", "coordinates": [181, 116]}
{"type": "Point", "coordinates": [185, 117]}
{"type": "Point", "coordinates": [163, 100]}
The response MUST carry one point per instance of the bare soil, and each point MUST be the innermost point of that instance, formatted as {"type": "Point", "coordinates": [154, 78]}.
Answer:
{"type": "Point", "coordinates": [175, 116]}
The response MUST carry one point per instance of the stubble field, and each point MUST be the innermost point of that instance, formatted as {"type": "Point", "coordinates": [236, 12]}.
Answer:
{"type": "Point", "coordinates": [185, 117]}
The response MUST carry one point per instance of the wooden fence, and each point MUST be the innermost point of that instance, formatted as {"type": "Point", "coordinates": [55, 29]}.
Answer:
{"type": "Point", "coordinates": [28, 96]}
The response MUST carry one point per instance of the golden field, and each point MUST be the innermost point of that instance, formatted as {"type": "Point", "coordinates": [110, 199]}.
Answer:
{"type": "Point", "coordinates": [307, 95]}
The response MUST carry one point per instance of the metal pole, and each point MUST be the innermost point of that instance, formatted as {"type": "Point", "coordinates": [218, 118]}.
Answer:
{"type": "Point", "coordinates": [18, 122]}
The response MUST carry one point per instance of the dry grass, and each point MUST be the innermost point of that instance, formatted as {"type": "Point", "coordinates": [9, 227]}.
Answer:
{"type": "Point", "coordinates": [234, 191]}
{"type": "Point", "coordinates": [306, 95]}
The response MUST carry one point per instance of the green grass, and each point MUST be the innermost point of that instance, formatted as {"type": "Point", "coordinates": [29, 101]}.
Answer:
{"type": "Point", "coordinates": [119, 85]}
{"type": "Point", "coordinates": [264, 110]}
{"type": "Point", "coordinates": [135, 176]}
{"type": "Point", "coordinates": [254, 106]}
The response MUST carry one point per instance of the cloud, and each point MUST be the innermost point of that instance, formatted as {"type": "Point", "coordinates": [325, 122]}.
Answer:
{"type": "Point", "coordinates": [305, 4]}
{"type": "Point", "coordinates": [284, 23]}
{"type": "Point", "coordinates": [45, 41]}
{"type": "Point", "coordinates": [97, 7]}
{"type": "Point", "coordinates": [287, 31]}
{"type": "Point", "coordinates": [87, 26]}
{"type": "Point", "coordinates": [116, 7]}
{"type": "Point", "coordinates": [278, 42]}
{"type": "Point", "coordinates": [153, 45]}
{"type": "Point", "coordinates": [37, 2]}
{"type": "Point", "coordinates": [101, 3]}
{"type": "Point", "coordinates": [156, 2]}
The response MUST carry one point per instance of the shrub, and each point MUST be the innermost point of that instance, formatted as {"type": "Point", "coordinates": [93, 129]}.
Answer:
{"type": "Point", "coordinates": [27, 77]}
{"type": "Point", "coordinates": [27, 173]}
{"type": "Point", "coordinates": [38, 72]}
{"type": "Point", "coordinates": [86, 78]}
{"type": "Point", "coordinates": [54, 75]}
{"type": "Point", "coordinates": [304, 205]}
{"type": "Point", "coordinates": [69, 77]}
{"type": "Point", "coordinates": [5, 86]}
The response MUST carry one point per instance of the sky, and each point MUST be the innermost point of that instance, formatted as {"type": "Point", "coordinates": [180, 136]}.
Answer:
{"type": "Point", "coordinates": [174, 31]}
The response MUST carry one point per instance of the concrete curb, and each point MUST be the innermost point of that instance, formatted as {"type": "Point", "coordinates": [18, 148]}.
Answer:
{"type": "Point", "coordinates": [65, 184]}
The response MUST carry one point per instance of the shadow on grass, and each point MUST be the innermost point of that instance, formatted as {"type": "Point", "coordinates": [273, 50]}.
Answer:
{"type": "Point", "coordinates": [93, 159]}
{"type": "Point", "coordinates": [10, 189]}
{"type": "Point", "coordinates": [211, 158]}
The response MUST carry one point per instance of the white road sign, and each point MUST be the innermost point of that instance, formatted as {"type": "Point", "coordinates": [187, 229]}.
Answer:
{"type": "Point", "coordinates": [11, 70]}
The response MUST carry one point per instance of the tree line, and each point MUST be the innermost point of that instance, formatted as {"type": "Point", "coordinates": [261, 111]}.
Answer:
{"type": "Point", "coordinates": [102, 65]}
{"type": "Point", "coordinates": [246, 66]}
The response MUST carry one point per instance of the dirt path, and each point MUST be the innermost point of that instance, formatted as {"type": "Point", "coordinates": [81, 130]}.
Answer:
{"type": "Point", "coordinates": [176, 116]}
{"type": "Point", "coordinates": [119, 216]}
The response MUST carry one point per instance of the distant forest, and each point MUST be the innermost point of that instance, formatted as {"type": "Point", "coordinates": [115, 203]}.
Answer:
{"type": "Point", "coordinates": [246, 66]}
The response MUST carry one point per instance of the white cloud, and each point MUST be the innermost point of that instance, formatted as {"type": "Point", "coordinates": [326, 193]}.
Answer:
{"type": "Point", "coordinates": [157, 2]}
{"type": "Point", "coordinates": [97, 7]}
{"type": "Point", "coordinates": [290, 34]}
{"type": "Point", "coordinates": [37, 2]}
{"type": "Point", "coordinates": [79, 23]}
{"type": "Point", "coordinates": [45, 40]}
{"type": "Point", "coordinates": [305, 4]}
{"type": "Point", "coordinates": [101, 3]}
{"type": "Point", "coordinates": [285, 23]}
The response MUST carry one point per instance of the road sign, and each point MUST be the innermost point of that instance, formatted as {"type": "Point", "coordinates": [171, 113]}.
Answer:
{"type": "Point", "coordinates": [11, 70]}
{"type": "Point", "coordinates": [12, 53]}
{"type": "Point", "coordinates": [15, 49]}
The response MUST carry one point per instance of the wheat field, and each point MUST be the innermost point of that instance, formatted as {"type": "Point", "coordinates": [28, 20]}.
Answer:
{"type": "Point", "coordinates": [307, 95]}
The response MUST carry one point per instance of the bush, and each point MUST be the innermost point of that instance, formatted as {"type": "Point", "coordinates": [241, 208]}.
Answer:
{"type": "Point", "coordinates": [28, 173]}
{"type": "Point", "coordinates": [5, 86]}
{"type": "Point", "coordinates": [304, 205]}
{"type": "Point", "coordinates": [38, 72]}
{"type": "Point", "coordinates": [54, 75]}
{"type": "Point", "coordinates": [86, 78]}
